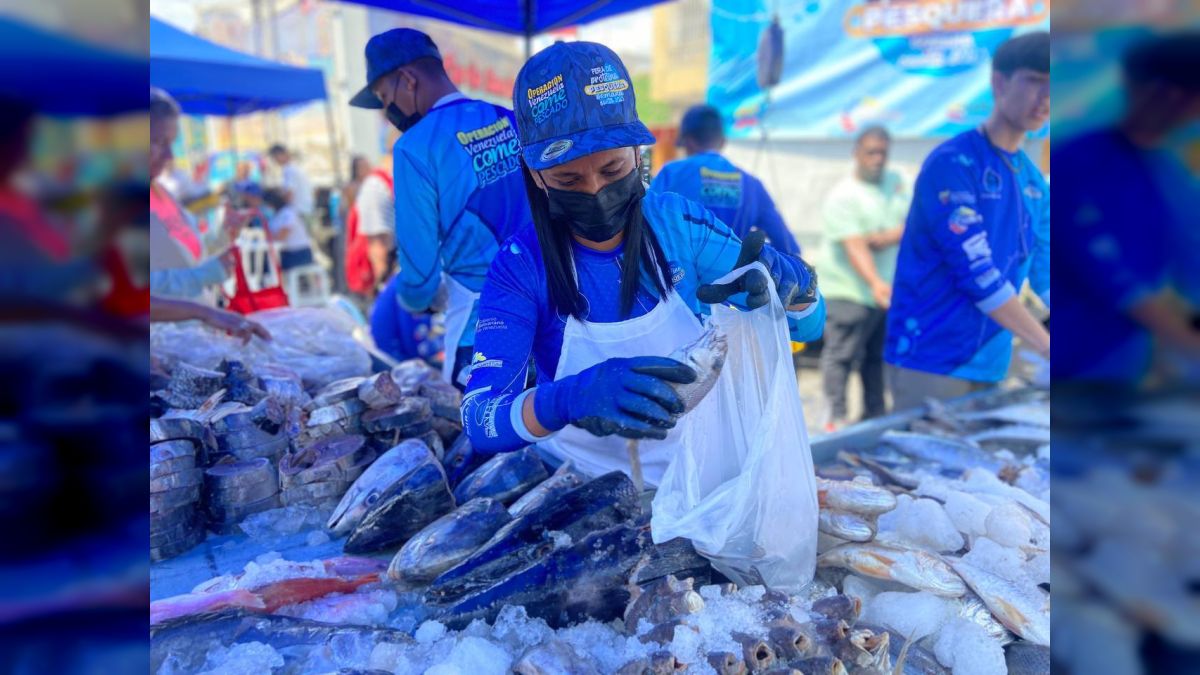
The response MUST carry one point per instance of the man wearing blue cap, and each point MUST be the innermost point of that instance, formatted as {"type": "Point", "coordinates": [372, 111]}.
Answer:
{"type": "Point", "coordinates": [456, 170]}
{"type": "Point", "coordinates": [606, 281]}
{"type": "Point", "coordinates": [735, 197]}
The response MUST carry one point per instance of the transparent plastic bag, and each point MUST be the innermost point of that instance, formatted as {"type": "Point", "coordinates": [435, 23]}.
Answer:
{"type": "Point", "coordinates": [741, 486]}
{"type": "Point", "coordinates": [316, 343]}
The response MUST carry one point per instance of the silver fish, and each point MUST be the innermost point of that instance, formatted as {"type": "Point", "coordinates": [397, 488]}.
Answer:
{"type": "Point", "coordinates": [1023, 610]}
{"type": "Point", "coordinates": [854, 497]}
{"type": "Point", "coordinates": [706, 356]}
{"type": "Point", "coordinates": [362, 495]}
{"type": "Point", "coordinates": [913, 568]}
{"type": "Point", "coordinates": [1016, 437]}
{"type": "Point", "coordinates": [448, 541]}
{"type": "Point", "coordinates": [950, 453]}
{"type": "Point", "coordinates": [971, 608]}
{"type": "Point", "coordinates": [848, 526]}
{"type": "Point", "coordinates": [565, 479]}
{"type": "Point", "coordinates": [1028, 414]}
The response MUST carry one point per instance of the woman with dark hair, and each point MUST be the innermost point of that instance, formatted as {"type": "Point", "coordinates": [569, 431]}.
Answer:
{"type": "Point", "coordinates": [606, 281]}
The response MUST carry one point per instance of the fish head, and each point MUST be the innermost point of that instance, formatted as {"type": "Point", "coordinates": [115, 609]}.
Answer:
{"type": "Point", "coordinates": [367, 490]}
{"type": "Point", "coordinates": [706, 356]}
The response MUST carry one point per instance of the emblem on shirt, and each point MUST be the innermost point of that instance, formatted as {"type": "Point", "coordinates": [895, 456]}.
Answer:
{"type": "Point", "coordinates": [676, 274]}
{"type": "Point", "coordinates": [991, 183]}
{"type": "Point", "coordinates": [556, 149]}
{"type": "Point", "coordinates": [956, 197]}
{"type": "Point", "coordinates": [481, 361]}
{"type": "Point", "coordinates": [962, 218]}
{"type": "Point", "coordinates": [1033, 191]}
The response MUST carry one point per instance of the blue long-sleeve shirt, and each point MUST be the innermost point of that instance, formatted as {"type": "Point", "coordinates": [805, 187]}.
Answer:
{"type": "Point", "coordinates": [735, 197]}
{"type": "Point", "coordinates": [1120, 241]}
{"type": "Point", "coordinates": [979, 223]}
{"type": "Point", "coordinates": [459, 192]}
{"type": "Point", "coordinates": [517, 322]}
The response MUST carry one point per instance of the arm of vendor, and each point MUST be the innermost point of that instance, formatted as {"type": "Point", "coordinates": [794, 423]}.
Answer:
{"type": "Point", "coordinates": [418, 246]}
{"type": "Point", "coordinates": [518, 319]}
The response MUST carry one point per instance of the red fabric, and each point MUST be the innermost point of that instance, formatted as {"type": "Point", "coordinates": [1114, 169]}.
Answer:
{"type": "Point", "coordinates": [165, 208]}
{"type": "Point", "coordinates": [360, 278]}
{"type": "Point", "coordinates": [246, 301]}
{"type": "Point", "coordinates": [123, 299]}
{"type": "Point", "coordinates": [25, 215]}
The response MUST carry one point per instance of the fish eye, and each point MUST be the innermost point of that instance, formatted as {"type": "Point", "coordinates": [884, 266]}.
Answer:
{"type": "Point", "coordinates": [372, 498]}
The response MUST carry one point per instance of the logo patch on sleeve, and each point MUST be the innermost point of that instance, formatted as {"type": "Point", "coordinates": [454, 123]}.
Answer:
{"type": "Point", "coordinates": [962, 218]}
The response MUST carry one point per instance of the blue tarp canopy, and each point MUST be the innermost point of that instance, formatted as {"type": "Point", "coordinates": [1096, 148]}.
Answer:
{"type": "Point", "coordinates": [520, 17]}
{"type": "Point", "coordinates": [208, 79]}
{"type": "Point", "coordinates": [57, 75]}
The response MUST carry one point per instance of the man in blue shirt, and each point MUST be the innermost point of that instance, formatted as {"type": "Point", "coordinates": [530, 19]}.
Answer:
{"type": "Point", "coordinates": [979, 226]}
{"type": "Point", "coordinates": [735, 197]}
{"type": "Point", "coordinates": [1128, 241]}
{"type": "Point", "coordinates": [458, 184]}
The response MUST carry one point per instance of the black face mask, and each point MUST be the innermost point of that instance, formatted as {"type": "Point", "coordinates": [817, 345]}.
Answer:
{"type": "Point", "coordinates": [397, 117]}
{"type": "Point", "coordinates": [601, 216]}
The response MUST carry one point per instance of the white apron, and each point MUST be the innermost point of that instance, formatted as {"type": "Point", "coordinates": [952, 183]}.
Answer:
{"type": "Point", "coordinates": [459, 303]}
{"type": "Point", "coordinates": [667, 327]}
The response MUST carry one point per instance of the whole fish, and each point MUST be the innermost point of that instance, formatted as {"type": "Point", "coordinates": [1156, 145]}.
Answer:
{"type": "Point", "coordinates": [913, 568]}
{"type": "Point", "coordinates": [916, 660]}
{"type": "Point", "coordinates": [951, 453]}
{"type": "Point", "coordinates": [1025, 414]}
{"type": "Point", "coordinates": [1023, 610]}
{"type": "Point", "coordinates": [577, 582]}
{"type": "Point", "coordinates": [504, 477]}
{"type": "Point", "coordinates": [1023, 658]}
{"type": "Point", "coordinates": [364, 493]}
{"type": "Point", "coordinates": [401, 511]}
{"type": "Point", "coordinates": [1017, 437]}
{"type": "Point", "coordinates": [854, 497]}
{"type": "Point", "coordinates": [598, 504]}
{"type": "Point", "coordinates": [848, 526]}
{"type": "Point", "coordinates": [565, 479]}
{"type": "Point", "coordinates": [448, 541]}
{"type": "Point", "coordinates": [706, 356]}
{"type": "Point", "coordinates": [182, 645]}
{"type": "Point", "coordinates": [312, 580]}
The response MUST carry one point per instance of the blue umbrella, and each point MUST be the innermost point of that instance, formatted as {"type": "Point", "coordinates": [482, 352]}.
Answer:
{"type": "Point", "coordinates": [58, 75]}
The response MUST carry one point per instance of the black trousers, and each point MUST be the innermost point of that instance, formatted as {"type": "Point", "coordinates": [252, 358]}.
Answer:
{"type": "Point", "coordinates": [853, 340]}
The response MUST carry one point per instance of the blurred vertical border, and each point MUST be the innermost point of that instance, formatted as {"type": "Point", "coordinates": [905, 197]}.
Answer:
{"type": "Point", "coordinates": [74, 569]}
{"type": "Point", "coordinates": [1126, 462]}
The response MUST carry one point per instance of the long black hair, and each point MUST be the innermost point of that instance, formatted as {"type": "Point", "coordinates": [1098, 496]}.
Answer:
{"type": "Point", "coordinates": [642, 255]}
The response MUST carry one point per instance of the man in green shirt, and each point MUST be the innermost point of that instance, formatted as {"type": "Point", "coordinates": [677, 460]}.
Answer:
{"type": "Point", "coordinates": [863, 219]}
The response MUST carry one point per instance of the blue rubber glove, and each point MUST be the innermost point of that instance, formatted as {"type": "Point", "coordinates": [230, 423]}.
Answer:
{"type": "Point", "coordinates": [795, 281]}
{"type": "Point", "coordinates": [627, 397]}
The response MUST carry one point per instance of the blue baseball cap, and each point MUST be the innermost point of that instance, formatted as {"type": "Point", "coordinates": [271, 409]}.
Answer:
{"type": "Point", "coordinates": [388, 51]}
{"type": "Point", "coordinates": [573, 99]}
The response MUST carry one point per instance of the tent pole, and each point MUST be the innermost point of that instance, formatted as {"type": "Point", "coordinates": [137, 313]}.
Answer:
{"type": "Point", "coordinates": [334, 150]}
{"type": "Point", "coordinates": [530, 7]}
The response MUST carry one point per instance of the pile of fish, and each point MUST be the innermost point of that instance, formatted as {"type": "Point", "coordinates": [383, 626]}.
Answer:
{"type": "Point", "coordinates": [175, 521]}
{"type": "Point", "coordinates": [944, 534]}
{"type": "Point", "coordinates": [228, 443]}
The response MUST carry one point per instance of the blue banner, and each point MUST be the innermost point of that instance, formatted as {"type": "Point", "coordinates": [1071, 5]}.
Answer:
{"type": "Point", "coordinates": [920, 67]}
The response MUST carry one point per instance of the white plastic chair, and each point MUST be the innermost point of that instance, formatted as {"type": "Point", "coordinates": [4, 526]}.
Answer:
{"type": "Point", "coordinates": [307, 286]}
